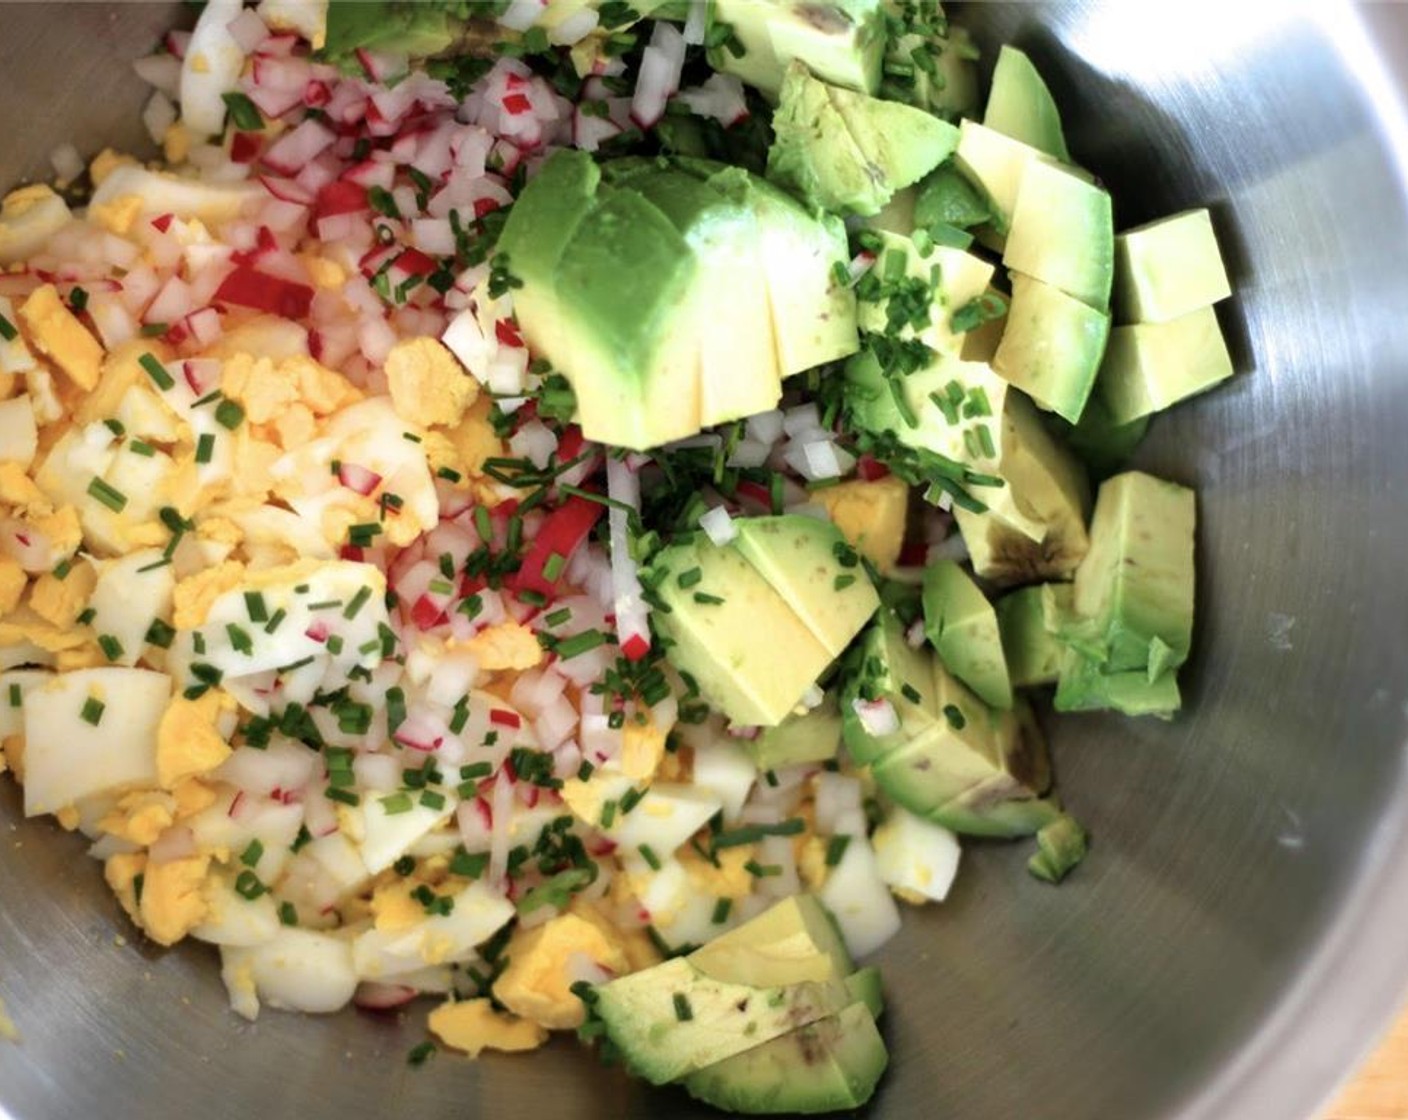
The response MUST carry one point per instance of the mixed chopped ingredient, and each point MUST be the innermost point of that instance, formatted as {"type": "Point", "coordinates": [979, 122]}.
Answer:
{"type": "Point", "coordinates": [562, 507]}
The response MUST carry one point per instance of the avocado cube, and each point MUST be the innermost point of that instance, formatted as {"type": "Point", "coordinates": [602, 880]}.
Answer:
{"type": "Point", "coordinates": [947, 198]}
{"type": "Point", "coordinates": [811, 567]}
{"type": "Point", "coordinates": [887, 667]}
{"type": "Point", "coordinates": [813, 736]}
{"type": "Point", "coordinates": [1133, 598]}
{"type": "Point", "coordinates": [1021, 106]}
{"type": "Point", "coordinates": [671, 1020]}
{"type": "Point", "coordinates": [830, 1065]}
{"type": "Point", "coordinates": [792, 941]}
{"type": "Point", "coordinates": [900, 144]}
{"type": "Point", "coordinates": [1062, 232]}
{"type": "Point", "coordinates": [995, 163]}
{"type": "Point", "coordinates": [842, 42]}
{"type": "Point", "coordinates": [715, 621]}
{"type": "Point", "coordinates": [961, 624]}
{"type": "Point", "coordinates": [1103, 445]}
{"type": "Point", "coordinates": [1061, 845]}
{"type": "Point", "coordinates": [1032, 650]}
{"type": "Point", "coordinates": [1167, 268]}
{"type": "Point", "coordinates": [1085, 685]}
{"type": "Point", "coordinates": [955, 277]}
{"type": "Point", "coordinates": [1052, 346]}
{"type": "Point", "coordinates": [1150, 366]}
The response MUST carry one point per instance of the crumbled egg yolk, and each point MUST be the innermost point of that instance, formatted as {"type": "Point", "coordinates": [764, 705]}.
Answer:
{"type": "Point", "coordinates": [118, 215]}
{"type": "Point", "coordinates": [188, 740]}
{"type": "Point", "coordinates": [194, 595]}
{"type": "Point", "coordinates": [473, 1026]}
{"type": "Point", "coordinates": [173, 900]}
{"type": "Point", "coordinates": [12, 584]}
{"type": "Point", "coordinates": [140, 817]}
{"type": "Point", "coordinates": [730, 879]}
{"type": "Point", "coordinates": [537, 982]}
{"type": "Point", "coordinates": [61, 601]}
{"type": "Point", "coordinates": [507, 645]}
{"type": "Point", "coordinates": [642, 748]}
{"type": "Point", "coordinates": [56, 332]}
{"type": "Point", "coordinates": [870, 515]}
{"type": "Point", "coordinates": [427, 383]}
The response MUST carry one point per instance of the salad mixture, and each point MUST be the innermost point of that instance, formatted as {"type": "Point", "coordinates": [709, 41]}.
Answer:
{"type": "Point", "coordinates": [560, 507]}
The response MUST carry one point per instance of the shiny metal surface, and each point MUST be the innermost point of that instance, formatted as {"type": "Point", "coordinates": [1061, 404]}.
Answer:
{"type": "Point", "coordinates": [1236, 938]}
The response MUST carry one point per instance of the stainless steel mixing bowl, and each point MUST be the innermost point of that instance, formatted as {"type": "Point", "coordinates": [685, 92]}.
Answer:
{"type": "Point", "coordinates": [1237, 936]}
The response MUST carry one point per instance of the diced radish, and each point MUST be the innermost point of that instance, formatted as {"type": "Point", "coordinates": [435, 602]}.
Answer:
{"type": "Point", "coordinates": [294, 149]}
{"type": "Point", "coordinates": [372, 996]}
{"type": "Point", "coordinates": [248, 30]}
{"type": "Point", "coordinates": [358, 478]}
{"type": "Point", "coordinates": [878, 717]}
{"type": "Point", "coordinates": [632, 613]}
{"type": "Point", "coordinates": [520, 15]}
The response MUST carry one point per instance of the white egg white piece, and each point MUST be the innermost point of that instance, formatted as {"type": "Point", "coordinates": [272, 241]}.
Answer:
{"type": "Point", "coordinates": [478, 914]}
{"type": "Point", "coordinates": [857, 896]}
{"type": "Point", "coordinates": [667, 816]}
{"type": "Point", "coordinates": [234, 919]}
{"type": "Point", "coordinates": [387, 835]}
{"type": "Point", "coordinates": [211, 68]}
{"type": "Point", "coordinates": [679, 913]}
{"type": "Point", "coordinates": [67, 757]}
{"type": "Point", "coordinates": [132, 592]}
{"type": "Point", "coordinates": [297, 970]}
{"type": "Point", "coordinates": [163, 192]}
{"type": "Point", "coordinates": [24, 230]}
{"type": "Point", "coordinates": [915, 855]}
{"type": "Point", "coordinates": [19, 437]}
{"type": "Point", "coordinates": [14, 354]}
{"type": "Point", "coordinates": [727, 771]}
{"type": "Point", "coordinates": [15, 685]}
{"type": "Point", "coordinates": [236, 819]}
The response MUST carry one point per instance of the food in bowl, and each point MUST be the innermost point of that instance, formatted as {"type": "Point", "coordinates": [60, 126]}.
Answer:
{"type": "Point", "coordinates": [560, 508]}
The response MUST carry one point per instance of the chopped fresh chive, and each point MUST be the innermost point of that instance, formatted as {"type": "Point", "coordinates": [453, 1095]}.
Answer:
{"type": "Point", "coordinates": [751, 834]}
{"type": "Point", "coordinates": [470, 865]}
{"type": "Point", "coordinates": [160, 634]}
{"type": "Point", "coordinates": [361, 536]}
{"type": "Point", "coordinates": [397, 803]}
{"type": "Point", "coordinates": [840, 583]}
{"type": "Point", "coordinates": [92, 710]}
{"type": "Point", "coordinates": [7, 330]}
{"type": "Point", "coordinates": [683, 1012]}
{"type": "Point", "coordinates": [325, 605]}
{"type": "Point", "coordinates": [471, 606]}
{"type": "Point", "coordinates": [552, 566]}
{"type": "Point", "coordinates": [229, 415]}
{"type": "Point", "coordinates": [382, 201]}
{"type": "Point", "coordinates": [109, 496]}
{"type": "Point", "coordinates": [255, 606]}
{"type": "Point", "coordinates": [357, 602]}
{"type": "Point", "coordinates": [449, 474]}
{"type": "Point", "coordinates": [721, 910]}
{"type": "Point", "coordinates": [276, 620]}
{"type": "Point", "coordinates": [240, 641]}
{"type": "Point", "coordinates": [558, 617]}
{"type": "Point", "coordinates": [836, 849]}
{"type": "Point", "coordinates": [707, 599]}
{"type": "Point", "coordinates": [955, 717]}
{"type": "Point", "coordinates": [115, 427]}
{"type": "Point", "coordinates": [302, 840]}
{"type": "Point", "coordinates": [86, 616]}
{"type": "Point", "coordinates": [690, 578]}
{"type": "Point", "coordinates": [205, 447]}
{"type": "Point", "coordinates": [647, 853]}
{"type": "Point", "coordinates": [910, 693]}
{"type": "Point", "coordinates": [433, 800]}
{"type": "Point", "coordinates": [16, 696]}
{"type": "Point", "coordinates": [252, 854]}
{"type": "Point", "coordinates": [420, 1053]}
{"type": "Point", "coordinates": [62, 569]}
{"type": "Point", "coordinates": [579, 644]}
{"type": "Point", "coordinates": [156, 371]}
{"type": "Point", "coordinates": [608, 814]}
{"type": "Point", "coordinates": [244, 114]}
{"type": "Point", "coordinates": [760, 870]}
{"type": "Point", "coordinates": [154, 330]}
{"type": "Point", "coordinates": [630, 799]}
{"type": "Point", "coordinates": [248, 885]}
{"type": "Point", "coordinates": [585, 771]}
{"type": "Point", "coordinates": [111, 647]}
{"type": "Point", "coordinates": [404, 866]}
{"type": "Point", "coordinates": [346, 796]}
{"type": "Point", "coordinates": [395, 708]}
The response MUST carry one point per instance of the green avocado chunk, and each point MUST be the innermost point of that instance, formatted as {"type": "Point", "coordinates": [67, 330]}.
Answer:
{"type": "Point", "coordinates": [792, 941]}
{"type": "Point", "coordinates": [961, 624]}
{"type": "Point", "coordinates": [813, 736]}
{"type": "Point", "coordinates": [886, 667]}
{"type": "Point", "coordinates": [848, 153]}
{"type": "Point", "coordinates": [946, 197]}
{"type": "Point", "coordinates": [1151, 366]}
{"type": "Point", "coordinates": [415, 29]}
{"type": "Point", "coordinates": [1029, 643]}
{"type": "Point", "coordinates": [1020, 105]}
{"type": "Point", "coordinates": [1167, 268]}
{"type": "Point", "coordinates": [841, 41]}
{"type": "Point", "coordinates": [1062, 232]}
{"type": "Point", "coordinates": [930, 63]}
{"type": "Point", "coordinates": [782, 577]}
{"type": "Point", "coordinates": [811, 566]}
{"type": "Point", "coordinates": [671, 1020]}
{"type": "Point", "coordinates": [1052, 346]}
{"type": "Point", "coordinates": [1060, 846]}
{"type": "Point", "coordinates": [830, 1065]}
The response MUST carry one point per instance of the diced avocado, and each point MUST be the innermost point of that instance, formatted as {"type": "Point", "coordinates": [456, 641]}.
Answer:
{"type": "Point", "coordinates": [902, 144]}
{"type": "Point", "coordinates": [870, 515]}
{"type": "Point", "coordinates": [671, 1020]}
{"type": "Point", "coordinates": [841, 41]}
{"type": "Point", "coordinates": [813, 736]}
{"type": "Point", "coordinates": [1132, 608]}
{"type": "Point", "coordinates": [976, 772]}
{"type": "Point", "coordinates": [738, 369]}
{"type": "Point", "coordinates": [1061, 845]}
{"type": "Point", "coordinates": [1150, 366]}
{"type": "Point", "coordinates": [813, 154]}
{"type": "Point", "coordinates": [1052, 346]}
{"type": "Point", "coordinates": [625, 281]}
{"type": "Point", "coordinates": [946, 197]}
{"type": "Point", "coordinates": [930, 63]}
{"type": "Point", "coordinates": [865, 988]}
{"type": "Point", "coordinates": [953, 278]}
{"type": "Point", "coordinates": [812, 568]}
{"type": "Point", "coordinates": [1103, 445]}
{"type": "Point", "coordinates": [886, 667]}
{"type": "Point", "coordinates": [1047, 488]}
{"type": "Point", "coordinates": [1165, 269]}
{"type": "Point", "coordinates": [830, 1065]}
{"type": "Point", "coordinates": [416, 30]}
{"type": "Point", "coordinates": [792, 941]}
{"type": "Point", "coordinates": [1085, 686]}
{"type": "Point", "coordinates": [1020, 105]}
{"type": "Point", "coordinates": [814, 318]}
{"type": "Point", "coordinates": [961, 624]}
{"type": "Point", "coordinates": [1062, 232]}
{"type": "Point", "coordinates": [879, 147]}
{"type": "Point", "coordinates": [1032, 650]}
{"type": "Point", "coordinates": [607, 325]}
{"type": "Point", "coordinates": [715, 625]}
{"type": "Point", "coordinates": [995, 163]}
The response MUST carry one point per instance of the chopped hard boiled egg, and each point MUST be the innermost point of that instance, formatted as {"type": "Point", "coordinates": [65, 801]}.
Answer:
{"type": "Point", "coordinates": [473, 1026]}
